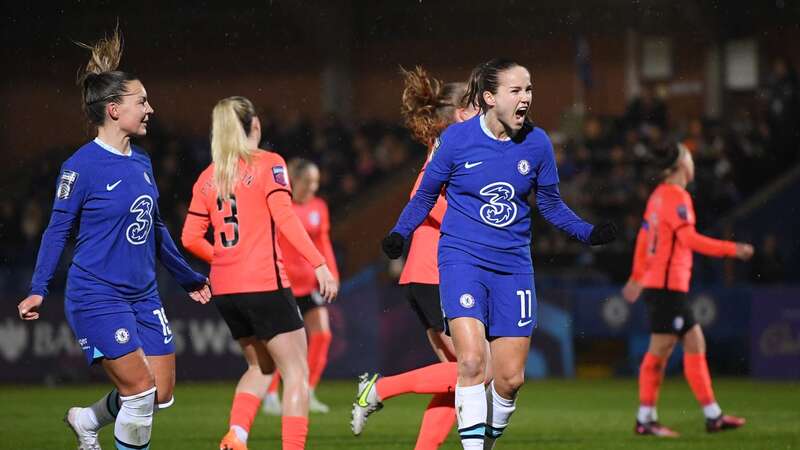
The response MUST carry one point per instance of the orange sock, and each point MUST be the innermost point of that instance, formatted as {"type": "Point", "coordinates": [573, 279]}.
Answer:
{"type": "Point", "coordinates": [243, 410]}
{"type": "Point", "coordinates": [695, 368]}
{"type": "Point", "coordinates": [294, 430]}
{"type": "Point", "coordinates": [651, 373]}
{"type": "Point", "coordinates": [273, 385]}
{"type": "Point", "coordinates": [437, 422]}
{"type": "Point", "coordinates": [318, 344]}
{"type": "Point", "coordinates": [437, 378]}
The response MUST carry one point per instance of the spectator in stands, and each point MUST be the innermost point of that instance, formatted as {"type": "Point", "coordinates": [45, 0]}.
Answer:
{"type": "Point", "coordinates": [767, 265]}
{"type": "Point", "coordinates": [646, 110]}
{"type": "Point", "coordinates": [783, 112]}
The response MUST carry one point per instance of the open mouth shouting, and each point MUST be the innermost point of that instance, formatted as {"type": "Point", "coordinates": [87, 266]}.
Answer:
{"type": "Point", "coordinates": [520, 113]}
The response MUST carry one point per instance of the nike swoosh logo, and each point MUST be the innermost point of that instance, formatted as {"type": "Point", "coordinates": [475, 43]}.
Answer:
{"type": "Point", "coordinates": [469, 165]}
{"type": "Point", "coordinates": [168, 339]}
{"type": "Point", "coordinates": [362, 396]}
{"type": "Point", "coordinates": [110, 187]}
{"type": "Point", "coordinates": [522, 324]}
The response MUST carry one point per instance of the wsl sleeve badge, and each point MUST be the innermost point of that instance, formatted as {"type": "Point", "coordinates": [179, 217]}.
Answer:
{"type": "Point", "coordinates": [683, 212]}
{"type": "Point", "coordinates": [279, 173]}
{"type": "Point", "coordinates": [65, 184]}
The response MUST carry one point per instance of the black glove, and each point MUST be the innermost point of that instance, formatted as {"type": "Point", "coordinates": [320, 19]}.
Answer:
{"type": "Point", "coordinates": [393, 245]}
{"type": "Point", "coordinates": [603, 233]}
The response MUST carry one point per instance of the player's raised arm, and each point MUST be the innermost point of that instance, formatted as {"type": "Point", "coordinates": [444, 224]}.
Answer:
{"type": "Point", "coordinates": [436, 175]}
{"type": "Point", "coordinates": [324, 241]}
{"type": "Point", "coordinates": [705, 245]}
{"type": "Point", "coordinates": [50, 249]}
{"type": "Point", "coordinates": [193, 236]}
{"type": "Point", "coordinates": [280, 207]}
{"type": "Point", "coordinates": [70, 194]}
{"type": "Point", "coordinates": [683, 219]}
{"type": "Point", "coordinates": [169, 255]}
{"type": "Point", "coordinates": [633, 288]}
{"type": "Point", "coordinates": [555, 211]}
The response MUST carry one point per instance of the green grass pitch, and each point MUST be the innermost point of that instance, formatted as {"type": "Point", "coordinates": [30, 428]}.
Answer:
{"type": "Point", "coordinates": [553, 414]}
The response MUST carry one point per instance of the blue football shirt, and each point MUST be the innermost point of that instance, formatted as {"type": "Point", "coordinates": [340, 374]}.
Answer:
{"type": "Point", "coordinates": [112, 198]}
{"type": "Point", "coordinates": [488, 182]}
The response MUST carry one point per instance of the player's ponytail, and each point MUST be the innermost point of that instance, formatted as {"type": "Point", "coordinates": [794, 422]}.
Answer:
{"type": "Point", "coordinates": [428, 105]}
{"type": "Point", "coordinates": [99, 80]}
{"type": "Point", "coordinates": [230, 125]}
{"type": "Point", "coordinates": [485, 77]}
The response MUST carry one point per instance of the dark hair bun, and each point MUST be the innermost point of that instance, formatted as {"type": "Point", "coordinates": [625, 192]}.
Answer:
{"type": "Point", "coordinates": [664, 156]}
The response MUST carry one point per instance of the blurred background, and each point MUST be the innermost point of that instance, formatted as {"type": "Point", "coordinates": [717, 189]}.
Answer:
{"type": "Point", "coordinates": [611, 79]}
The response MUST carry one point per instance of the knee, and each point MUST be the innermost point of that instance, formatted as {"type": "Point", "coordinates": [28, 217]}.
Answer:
{"type": "Point", "coordinates": [508, 384]}
{"type": "Point", "coordinates": [143, 384]}
{"type": "Point", "coordinates": [694, 341]}
{"type": "Point", "coordinates": [661, 349]}
{"type": "Point", "coordinates": [471, 365]}
{"type": "Point", "coordinates": [295, 372]}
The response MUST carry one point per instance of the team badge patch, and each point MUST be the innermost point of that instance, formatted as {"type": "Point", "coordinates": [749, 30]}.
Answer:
{"type": "Point", "coordinates": [683, 213]}
{"type": "Point", "coordinates": [467, 300]}
{"type": "Point", "coordinates": [279, 173]}
{"type": "Point", "coordinates": [434, 147]}
{"type": "Point", "coordinates": [313, 218]}
{"type": "Point", "coordinates": [524, 167]}
{"type": "Point", "coordinates": [122, 336]}
{"type": "Point", "coordinates": [65, 184]}
{"type": "Point", "coordinates": [677, 324]}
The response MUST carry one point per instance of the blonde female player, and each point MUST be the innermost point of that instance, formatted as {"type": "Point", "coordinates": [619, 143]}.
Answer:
{"type": "Point", "coordinates": [313, 213]}
{"type": "Point", "coordinates": [244, 195]}
{"type": "Point", "coordinates": [490, 165]}
{"type": "Point", "coordinates": [428, 107]}
{"type": "Point", "coordinates": [107, 188]}
{"type": "Point", "coordinates": [662, 269]}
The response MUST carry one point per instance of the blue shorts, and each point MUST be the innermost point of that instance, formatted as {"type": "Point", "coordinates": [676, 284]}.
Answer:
{"type": "Point", "coordinates": [113, 328]}
{"type": "Point", "coordinates": [504, 302]}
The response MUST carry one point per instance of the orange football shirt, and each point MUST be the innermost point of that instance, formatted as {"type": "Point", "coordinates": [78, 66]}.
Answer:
{"type": "Point", "coordinates": [244, 256]}
{"type": "Point", "coordinates": [664, 245]}
{"type": "Point", "coordinates": [315, 218]}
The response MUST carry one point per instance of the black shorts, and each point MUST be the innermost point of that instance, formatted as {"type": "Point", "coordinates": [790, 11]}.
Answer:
{"type": "Point", "coordinates": [308, 302]}
{"type": "Point", "coordinates": [669, 311]}
{"type": "Point", "coordinates": [424, 300]}
{"type": "Point", "coordinates": [263, 315]}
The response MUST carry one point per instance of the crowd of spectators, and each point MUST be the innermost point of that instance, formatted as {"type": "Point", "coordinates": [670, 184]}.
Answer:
{"type": "Point", "coordinates": [352, 160]}
{"type": "Point", "coordinates": [605, 173]}
{"type": "Point", "coordinates": [603, 170]}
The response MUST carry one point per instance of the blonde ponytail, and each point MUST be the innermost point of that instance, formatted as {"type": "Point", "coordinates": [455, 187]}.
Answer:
{"type": "Point", "coordinates": [231, 121]}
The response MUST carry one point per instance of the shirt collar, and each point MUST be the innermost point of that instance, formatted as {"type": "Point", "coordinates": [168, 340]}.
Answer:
{"type": "Point", "coordinates": [111, 149]}
{"type": "Point", "coordinates": [488, 132]}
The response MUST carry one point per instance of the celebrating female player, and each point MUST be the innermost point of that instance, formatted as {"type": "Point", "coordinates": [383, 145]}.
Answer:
{"type": "Point", "coordinates": [313, 213]}
{"type": "Point", "coordinates": [111, 302]}
{"type": "Point", "coordinates": [429, 106]}
{"type": "Point", "coordinates": [662, 268]}
{"type": "Point", "coordinates": [490, 164]}
{"type": "Point", "coordinates": [245, 196]}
